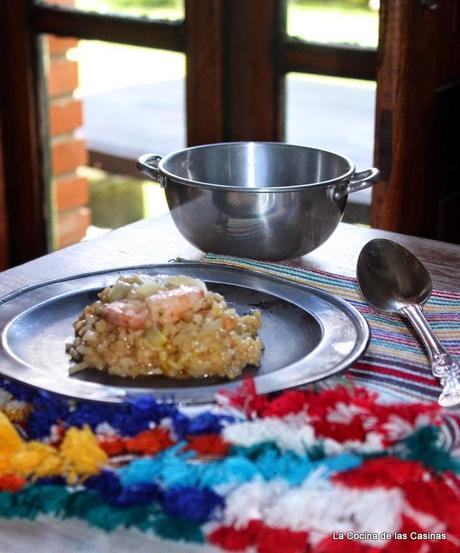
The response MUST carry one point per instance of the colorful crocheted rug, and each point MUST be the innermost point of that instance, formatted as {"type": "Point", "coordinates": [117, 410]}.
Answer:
{"type": "Point", "coordinates": [315, 472]}
{"type": "Point", "coordinates": [304, 470]}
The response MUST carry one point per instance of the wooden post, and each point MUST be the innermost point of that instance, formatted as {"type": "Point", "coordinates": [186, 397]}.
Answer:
{"type": "Point", "coordinates": [204, 45]}
{"type": "Point", "coordinates": [254, 99]}
{"type": "Point", "coordinates": [23, 140]}
{"type": "Point", "coordinates": [419, 55]}
{"type": "Point", "coordinates": [234, 82]}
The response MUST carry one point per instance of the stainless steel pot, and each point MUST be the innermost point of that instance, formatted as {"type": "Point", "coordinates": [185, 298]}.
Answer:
{"type": "Point", "coordinates": [262, 200]}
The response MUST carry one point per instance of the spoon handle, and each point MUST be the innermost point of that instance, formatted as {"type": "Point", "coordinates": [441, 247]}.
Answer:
{"type": "Point", "coordinates": [443, 365]}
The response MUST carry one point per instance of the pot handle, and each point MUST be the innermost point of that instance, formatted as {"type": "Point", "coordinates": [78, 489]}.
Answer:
{"type": "Point", "coordinates": [148, 164]}
{"type": "Point", "coordinates": [359, 181]}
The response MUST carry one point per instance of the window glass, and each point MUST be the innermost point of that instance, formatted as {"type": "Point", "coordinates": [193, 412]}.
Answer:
{"type": "Point", "coordinates": [334, 114]}
{"type": "Point", "coordinates": [108, 104]}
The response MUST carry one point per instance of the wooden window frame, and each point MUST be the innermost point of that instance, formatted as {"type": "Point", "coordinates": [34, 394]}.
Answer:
{"type": "Point", "coordinates": [237, 56]}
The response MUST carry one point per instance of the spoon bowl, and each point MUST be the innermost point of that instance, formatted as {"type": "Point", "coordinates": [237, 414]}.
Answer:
{"type": "Point", "coordinates": [391, 277]}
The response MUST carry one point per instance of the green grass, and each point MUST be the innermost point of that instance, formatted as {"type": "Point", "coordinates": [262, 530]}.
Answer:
{"type": "Point", "coordinates": [116, 200]}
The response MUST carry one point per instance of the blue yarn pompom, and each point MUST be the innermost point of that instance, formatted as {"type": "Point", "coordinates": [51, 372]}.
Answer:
{"type": "Point", "coordinates": [195, 504]}
{"type": "Point", "coordinates": [91, 414]}
{"type": "Point", "coordinates": [47, 409]}
{"type": "Point", "coordinates": [180, 425]}
{"type": "Point", "coordinates": [342, 462]}
{"type": "Point", "coordinates": [140, 414]}
{"type": "Point", "coordinates": [51, 481]}
{"type": "Point", "coordinates": [21, 392]}
{"type": "Point", "coordinates": [139, 471]}
{"type": "Point", "coordinates": [127, 419]}
{"type": "Point", "coordinates": [107, 484]}
{"type": "Point", "coordinates": [232, 470]}
{"type": "Point", "coordinates": [205, 423]}
{"type": "Point", "coordinates": [109, 487]}
{"type": "Point", "coordinates": [138, 494]}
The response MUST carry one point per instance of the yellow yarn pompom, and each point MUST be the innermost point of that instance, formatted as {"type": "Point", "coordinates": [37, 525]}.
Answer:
{"type": "Point", "coordinates": [37, 460]}
{"type": "Point", "coordinates": [10, 442]}
{"type": "Point", "coordinates": [81, 454]}
{"type": "Point", "coordinates": [9, 437]}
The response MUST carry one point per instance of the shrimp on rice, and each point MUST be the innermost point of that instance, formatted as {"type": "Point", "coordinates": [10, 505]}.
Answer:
{"type": "Point", "coordinates": [164, 325]}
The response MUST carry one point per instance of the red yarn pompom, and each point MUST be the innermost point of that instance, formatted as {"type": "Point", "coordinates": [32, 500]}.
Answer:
{"type": "Point", "coordinates": [438, 496]}
{"type": "Point", "coordinates": [387, 472]}
{"type": "Point", "coordinates": [11, 483]}
{"type": "Point", "coordinates": [231, 539]}
{"type": "Point", "coordinates": [208, 445]}
{"type": "Point", "coordinates": [149, 441]}
{"type": "Point", "coordinates": [112, 445]}
{"type": "Point", "coordinates": [245, 398]}
{"type": "Point", "coordinates": [288, 403]}
{"type": "Point", "coordinates": [264, 538]}
{"type": "Point", "coordinates": [275, 540]}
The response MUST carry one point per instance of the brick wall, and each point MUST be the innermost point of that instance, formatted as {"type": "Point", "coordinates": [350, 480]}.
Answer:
{"type": "Point", "coordinates": [70, 191]}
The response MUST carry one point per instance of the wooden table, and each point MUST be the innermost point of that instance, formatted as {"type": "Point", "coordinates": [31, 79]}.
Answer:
{"type": "Point", "coordinates": [157, 241]}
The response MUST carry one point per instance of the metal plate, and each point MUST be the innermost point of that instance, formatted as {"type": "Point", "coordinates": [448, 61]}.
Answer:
{"type": "Point", "coordinates": [308, 334]}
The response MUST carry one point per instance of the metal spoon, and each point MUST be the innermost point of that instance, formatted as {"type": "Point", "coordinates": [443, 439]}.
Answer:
{"type": "Point", "coordinates": [394, 281]}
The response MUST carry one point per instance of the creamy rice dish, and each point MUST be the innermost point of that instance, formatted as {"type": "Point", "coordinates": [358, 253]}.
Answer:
{"type": "Point", "coordinates": [164, 325]}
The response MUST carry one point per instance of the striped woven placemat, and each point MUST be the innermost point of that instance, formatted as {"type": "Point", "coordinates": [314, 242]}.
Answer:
{"type": "Point", "coordinates": [395, 362]}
